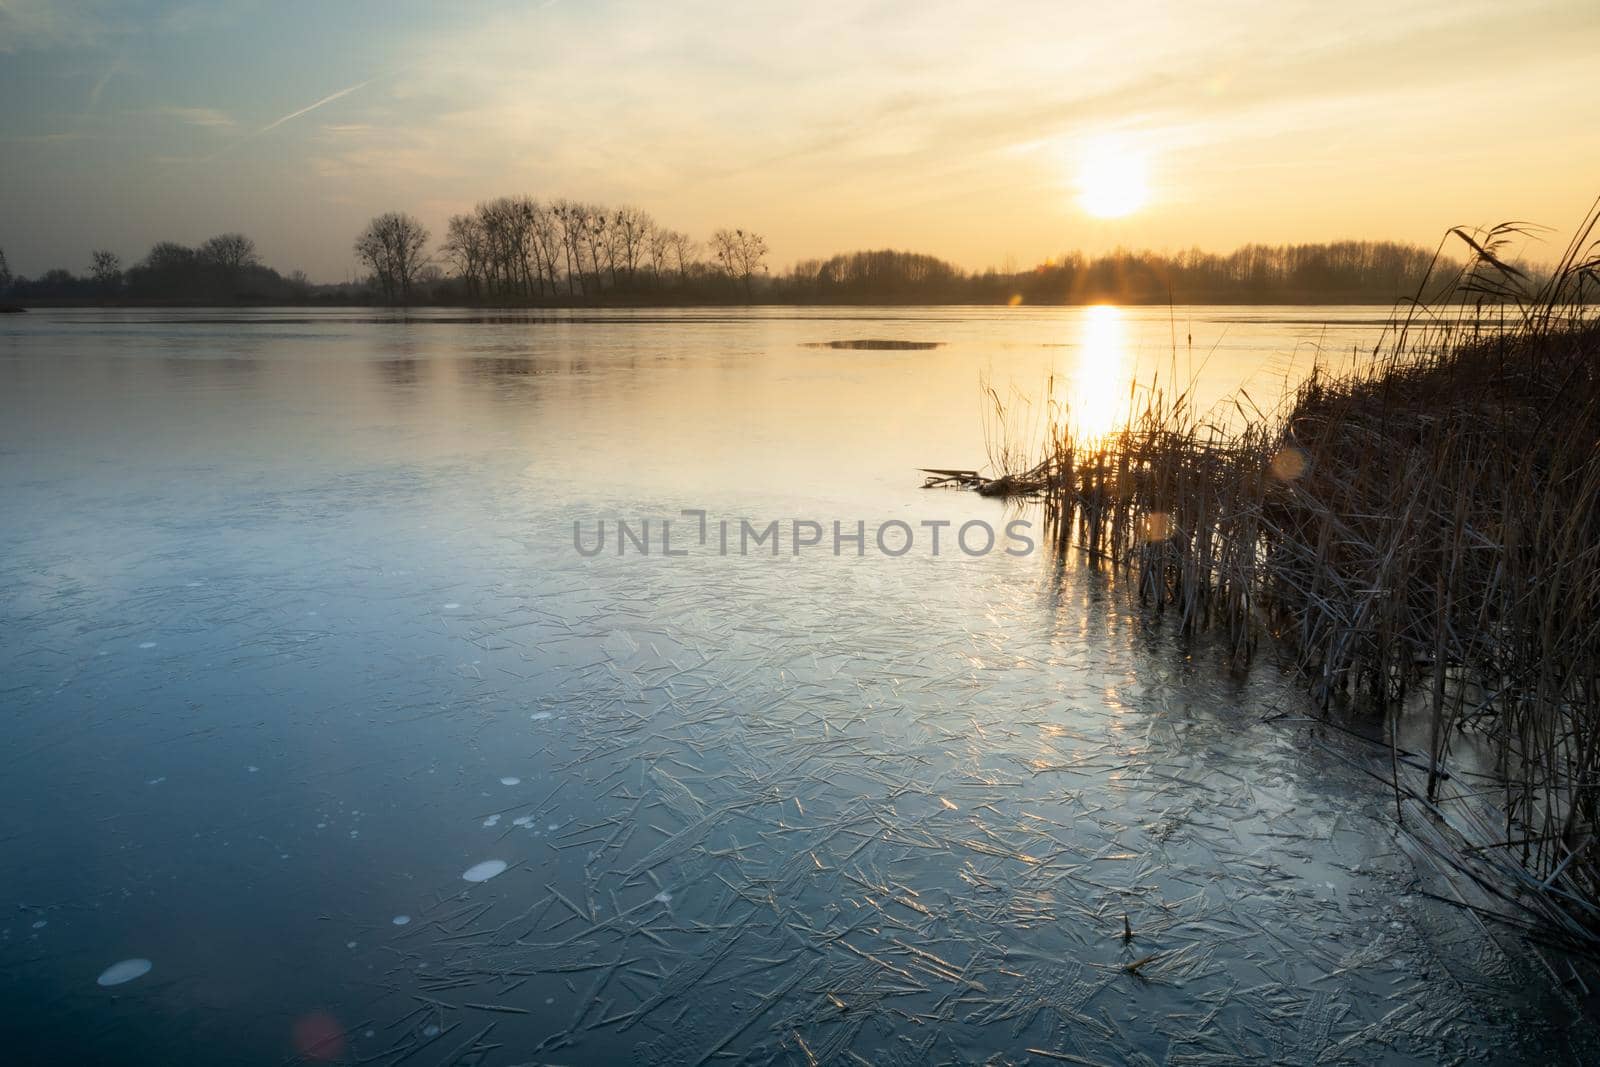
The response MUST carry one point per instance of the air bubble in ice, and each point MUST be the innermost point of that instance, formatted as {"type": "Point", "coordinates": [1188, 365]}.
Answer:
{"type": "Point", "coordinates": [482, 872]}
{"type": "Point", "coordinates": [125, 971]}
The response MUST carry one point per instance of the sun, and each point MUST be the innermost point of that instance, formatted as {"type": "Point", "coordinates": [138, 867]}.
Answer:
{"type": "Point", "coordinates": [1112, 181]}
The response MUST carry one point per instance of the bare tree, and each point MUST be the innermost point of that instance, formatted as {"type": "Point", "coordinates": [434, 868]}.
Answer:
{"type": "Point", "coordinates": [631, 229]}
{"type": "Point", "coordinates": [658, 246]}
{"type": "Point", "coordinates": [466, 249]}
{"type": "Point", "coordinates": [684, 251]}
{"type": "Point", "coordinates": [232, 252]}
{"type": "Point", "coordinates": [169, 257]}
{"type": "Point", "coordinates": [5, 272]}
{"type": "Point", "coordinates": [740, 252]}
{"type": "Point", "coordinates": [521, 211]}
{"type": "Point", "coordinates": [392, 246]}
{"type": "Point", "coordinates": [106, 270]}
{"type": "Point", "coordinates": [572, 220]}
{"type": "Point", "coordinates": [600, 239]}
{"type": "Point", "coordinates": [546, 246]}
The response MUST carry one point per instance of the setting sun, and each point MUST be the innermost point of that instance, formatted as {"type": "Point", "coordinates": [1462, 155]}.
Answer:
{"type": "Point", "coordinates": [1112, 181]}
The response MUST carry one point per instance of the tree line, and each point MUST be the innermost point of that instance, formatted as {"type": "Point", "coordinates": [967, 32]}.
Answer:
{"type": "Point", "coordinates": [517, 250]}
{"type": "Point", "coordinates": [224, 269]}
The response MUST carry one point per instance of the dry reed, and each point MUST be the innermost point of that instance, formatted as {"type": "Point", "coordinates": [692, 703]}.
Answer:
{"type": "Point", "coordinates": [1422, 531]}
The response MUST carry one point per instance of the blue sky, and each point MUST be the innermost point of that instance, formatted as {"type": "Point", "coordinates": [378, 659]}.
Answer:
{"type": "Point", "coordinates": [955, 128]}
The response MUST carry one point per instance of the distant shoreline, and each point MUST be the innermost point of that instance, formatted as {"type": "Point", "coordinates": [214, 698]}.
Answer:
{"type": "Point", "coordinates": [663, 305]}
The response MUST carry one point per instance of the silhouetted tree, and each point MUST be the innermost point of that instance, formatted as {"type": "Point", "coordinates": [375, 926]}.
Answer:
{"type": "Point", "coordinates": [230, 253]}
{"type": "Point", "coordinates": [598, 239]}
{"type": "Point", "coordinates": [684, 250]}
{"type": "Point", "coordinates": [392, 246]}
{"type": "Point", "coordinates": [572, 222]}
{"type": "Point", "coordinates": [5, 272]}
{"type": "Point", "coordinates": [464, 248]}
{"type": "Point", "coordinates": [658, 248]}
{"type": "Point", "coordinates": [740, 252]}
{"type": "Point", "coordinates": [882, 277]}
{"type": "Point", "coordinates": [169, 256]}
{"type": "Point", "coordinates": [106, 270]}
{"type": "Point", "coordinates": [169, 270]}
{"type": "Point", "coordinates": [631, 229]}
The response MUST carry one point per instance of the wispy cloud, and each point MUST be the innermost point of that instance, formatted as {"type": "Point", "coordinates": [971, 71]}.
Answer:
{"type": "Point", "coordinates": [60, 137]}
{"type": "Point", "coordinates": [330, 98]}
{"type": "Point", "coordinates": [207, 117]}
{"type": "Point", "coordinates": [101, 82]}
{"type": "Point", "coordinates": [26, 24]}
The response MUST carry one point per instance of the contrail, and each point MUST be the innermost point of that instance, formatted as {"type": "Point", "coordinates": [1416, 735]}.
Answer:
{"type": "Point", "coordinates": [291, 115]}
{"type": "Point", "coordinates": [330, 98]}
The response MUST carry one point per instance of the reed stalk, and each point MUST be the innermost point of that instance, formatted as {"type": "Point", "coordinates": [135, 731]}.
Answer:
{"type": "Point", "coordinates": [1422, 531]}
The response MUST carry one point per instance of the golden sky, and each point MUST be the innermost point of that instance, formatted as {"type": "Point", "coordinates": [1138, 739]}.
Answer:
{"type": "Point", "coordinates": [990, 134]}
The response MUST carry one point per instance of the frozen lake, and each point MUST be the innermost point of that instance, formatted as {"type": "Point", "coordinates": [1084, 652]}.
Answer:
{"type": "Point", "coordinates": [320, 736]}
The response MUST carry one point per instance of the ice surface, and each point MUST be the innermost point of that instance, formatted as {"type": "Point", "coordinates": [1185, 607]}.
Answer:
{"type": "Point", "coordinates": [619, 645]}
{"type": "Point", "coordinates": [804, 809]}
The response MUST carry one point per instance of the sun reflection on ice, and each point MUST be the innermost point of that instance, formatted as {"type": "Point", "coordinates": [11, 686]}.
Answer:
{"type": "Point", "coordinates": [1093, 398]}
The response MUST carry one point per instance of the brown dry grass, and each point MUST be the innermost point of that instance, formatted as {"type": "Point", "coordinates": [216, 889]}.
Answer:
{"type": "Point", "coordinates": [1422, 531]}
